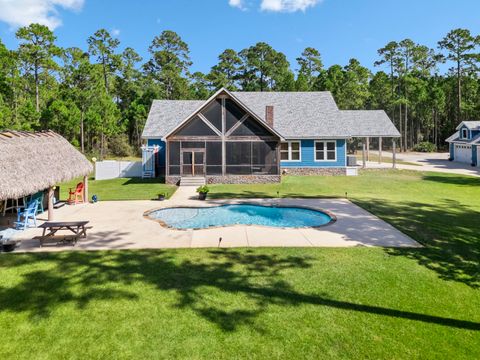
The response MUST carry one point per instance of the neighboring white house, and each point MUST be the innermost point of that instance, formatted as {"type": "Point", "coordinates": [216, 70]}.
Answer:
{"type": "Point", "coordinates": [465, 143]}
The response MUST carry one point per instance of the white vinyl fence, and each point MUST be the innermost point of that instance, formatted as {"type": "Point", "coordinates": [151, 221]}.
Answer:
{"type": "Point", "coordinates": [111, 169]}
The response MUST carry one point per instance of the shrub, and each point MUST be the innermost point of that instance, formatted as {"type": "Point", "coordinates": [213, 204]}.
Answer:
{"type": "Point", "coordinates": [118, 146]}
{"type": "Point", "coordinates": [203, 189]}
{"type": "Point", "coordinates": [425, 146]}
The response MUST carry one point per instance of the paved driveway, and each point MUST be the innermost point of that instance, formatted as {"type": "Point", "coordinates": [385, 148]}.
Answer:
{"type": "Point", "coordinates": [121, 225]}
{"type": "Point", "coordinates": [436, 162]}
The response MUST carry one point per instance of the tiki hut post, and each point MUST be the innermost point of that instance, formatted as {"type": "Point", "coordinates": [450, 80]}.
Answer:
{"type": "Point", "coordinates": [364, 163]}
{"type": "Point", "coordinates": [50, 203]}
{"type": "Point", "coordinates": [85, 189]}
{"type": "Point", "coordinates": [394, 155]}
{"type": "Point", "coordinates": [380, 150]}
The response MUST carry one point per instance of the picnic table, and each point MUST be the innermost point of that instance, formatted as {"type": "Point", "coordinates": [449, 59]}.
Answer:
{"type": "Point", "coordinates": [76, 230]}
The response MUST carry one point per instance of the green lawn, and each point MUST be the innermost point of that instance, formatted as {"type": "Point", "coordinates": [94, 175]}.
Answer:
{"type": "Point", "coordinates": [351, 303]}
{"type": "Point", "coordinates": [122, 189]}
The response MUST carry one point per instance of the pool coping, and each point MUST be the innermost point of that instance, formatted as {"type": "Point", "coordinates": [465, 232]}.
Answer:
{"type": "Point", "coordinates": [333, 217]}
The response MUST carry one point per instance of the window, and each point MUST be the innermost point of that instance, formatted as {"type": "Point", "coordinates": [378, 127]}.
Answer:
{"type": "Point", "coordinates": [464, 134]}
{"type": "Point", "coordinates": [233, 113]}
{"type": "Point", "coordinates": [325, 151]}
{"type": "Point", "coordinates": [290, 151]}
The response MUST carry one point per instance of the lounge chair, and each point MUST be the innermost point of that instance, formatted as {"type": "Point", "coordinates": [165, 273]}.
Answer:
{"type": "Point", "coordinates": [38, 196]}
{"type": "Point", "coordinates": [23, 216]}
{"type": "Point", "coordinates": [76, 196]}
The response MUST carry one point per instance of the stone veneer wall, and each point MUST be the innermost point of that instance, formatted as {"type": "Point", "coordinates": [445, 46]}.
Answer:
{"type": "Point", "coordinates": [263, 179]}
{"type": "Point", "coordinates": [243, 179]}
{"type": "Point", "coordinates": [314, 171]}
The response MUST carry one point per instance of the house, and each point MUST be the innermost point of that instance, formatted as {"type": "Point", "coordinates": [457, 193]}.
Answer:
{"type": "Point", "coordinates": [254, 137]}
{"type": "Point", "coordinates": [464, 145]}
{"type": "Point", "coordinates": [36, 162]}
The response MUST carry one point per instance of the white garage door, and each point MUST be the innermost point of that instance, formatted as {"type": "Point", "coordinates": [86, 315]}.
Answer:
{"type": "Point", "coordinates": [463, 153]}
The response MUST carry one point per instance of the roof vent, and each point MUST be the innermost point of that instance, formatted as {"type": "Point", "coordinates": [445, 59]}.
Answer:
{"type": "Point", "coordinates": [269, 115]}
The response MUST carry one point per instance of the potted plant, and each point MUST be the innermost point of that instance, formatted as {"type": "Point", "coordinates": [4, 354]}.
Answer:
{"type": "Point", "coordinates": [202, 192]}
{"type": "Point", "coordinates": [161, 196]}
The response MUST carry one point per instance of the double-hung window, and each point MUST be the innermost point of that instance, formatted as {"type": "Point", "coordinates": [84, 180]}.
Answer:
{"type": "Point", "coordinates": [325, 151]}
{"type": "Point", "coordinates": [464, 134]}
{"type": "Point", "coordinates": [290, 151]}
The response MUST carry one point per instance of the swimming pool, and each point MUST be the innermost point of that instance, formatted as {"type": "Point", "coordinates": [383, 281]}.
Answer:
{"type": "Point", "coordinates": [244, 214]}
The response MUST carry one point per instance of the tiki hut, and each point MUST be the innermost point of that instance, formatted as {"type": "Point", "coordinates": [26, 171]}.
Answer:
{"type": "Point", "coordinates": [32, 162]}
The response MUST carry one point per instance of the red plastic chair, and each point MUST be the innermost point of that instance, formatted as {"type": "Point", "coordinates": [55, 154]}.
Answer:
{"type": "Point", "coordinates": [75, 197]}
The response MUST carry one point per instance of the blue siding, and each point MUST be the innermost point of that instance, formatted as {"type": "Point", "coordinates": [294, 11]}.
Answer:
{"type": "Point", "coordinates": [161, 153]}
{"type": "Point", "coordinates": [474, 155]}
{"type": "Point", "coordinates": [308, 156]}
{"type": "Point", "coordinates": [452, 151]}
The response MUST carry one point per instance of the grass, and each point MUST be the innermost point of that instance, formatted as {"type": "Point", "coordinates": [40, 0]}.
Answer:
{"type": "Point", "coordinates": [266, 303]}
{"type": "Point", "coordinates": [207, 303]}
{"type": "Point", "coordinates": [122, 189]}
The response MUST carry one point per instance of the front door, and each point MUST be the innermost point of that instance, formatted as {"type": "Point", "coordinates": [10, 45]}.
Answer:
{"type": "Point", "coordinates": [193, 162]}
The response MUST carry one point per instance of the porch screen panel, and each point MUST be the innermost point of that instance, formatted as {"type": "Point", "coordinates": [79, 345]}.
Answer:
{"type": "Point", "coordinates": [196, 127]}
{"type": "Point", "coordinates": [239, 158]}
{"type": "Point", "coordinates": [264, 158]}
{"type": "Point", "coordinates": [214, 158]}
{"type": "Point", "coordinates": [193, 144]}
{"type": "Point", "coordinates": [174, 157]}
{"type": "Point", "coordinates": [213, 113]}
{"type": "Point", "coordinates": [233, 113]}
{"type": "Point", "coordinates": [250, 127]}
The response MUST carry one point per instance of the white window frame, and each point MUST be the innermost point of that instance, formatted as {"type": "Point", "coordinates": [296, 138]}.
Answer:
{"type": "Point", "coordinates": [325, 151]}
{"type": "Point", "coordinates": [290, 151]}
{"type": "Point", "coordinates": [464, 133]}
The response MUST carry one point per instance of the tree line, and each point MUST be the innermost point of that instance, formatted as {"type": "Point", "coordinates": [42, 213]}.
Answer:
{"type": "Point", "coordinates": [98, 97]}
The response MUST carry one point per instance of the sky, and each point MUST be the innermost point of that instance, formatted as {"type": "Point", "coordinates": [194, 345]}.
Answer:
{"type": "Point", "coordinates": [339, 29]}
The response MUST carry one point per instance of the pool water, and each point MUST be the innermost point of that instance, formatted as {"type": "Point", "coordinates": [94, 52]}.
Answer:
{"type": "Point", "coordinates": [201, 218]}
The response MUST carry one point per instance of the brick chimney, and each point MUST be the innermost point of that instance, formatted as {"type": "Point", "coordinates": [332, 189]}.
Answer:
{"type": "Point", "coordinates": [269, 115]}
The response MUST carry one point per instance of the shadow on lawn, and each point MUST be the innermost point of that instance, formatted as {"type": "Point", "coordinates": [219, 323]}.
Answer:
{"type": "Point", "coordinates": [450, 232]}
{"type": "Point", "coordinates": [257, 279]}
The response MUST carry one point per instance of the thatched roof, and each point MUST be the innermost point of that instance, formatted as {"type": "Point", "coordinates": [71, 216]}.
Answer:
{"type": "Point", "coordinates": [30, 162]}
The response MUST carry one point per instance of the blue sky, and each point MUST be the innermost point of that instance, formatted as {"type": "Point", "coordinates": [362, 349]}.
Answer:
{"type": "Point", "coordinates": [340, 29]}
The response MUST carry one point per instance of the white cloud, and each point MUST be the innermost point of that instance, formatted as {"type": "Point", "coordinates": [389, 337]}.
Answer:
{"type": "Point", "coordinates": [24, 12]}
{"type": "Point", "coordinates": [237, 3]}
{"type": "Point", "coordinates": [115, 32]}
{"type": "Point", "coordinates": [287, 5]}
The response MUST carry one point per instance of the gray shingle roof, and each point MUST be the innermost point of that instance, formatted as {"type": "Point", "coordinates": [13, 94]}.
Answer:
{"type": "Point", "coordinates": [165, 115]}
{"type": "Point", "coordinates": [471, 125]}
{"type": "Point", "coordinates": [455, 138]}
{"type": "Point", "coordinates": [296, 115]}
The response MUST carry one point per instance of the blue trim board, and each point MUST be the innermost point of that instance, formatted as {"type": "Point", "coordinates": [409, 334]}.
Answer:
{"type": "Point", "coordinates": [308, 155]}
{"type": "Point", "coordinates": [452, 151]}
{"type": "Point", "coordinates": [474, 155]}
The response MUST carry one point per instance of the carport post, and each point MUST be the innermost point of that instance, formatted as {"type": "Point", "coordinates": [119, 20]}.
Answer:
{"type": "Point", "coordinates": [394, 153]}
{"type": "Point", "coordinates": [368, 149]}
{"type": "Point", "coordinates": [364, 163]}
{"type": "Point", "coordinates": [379, 150]}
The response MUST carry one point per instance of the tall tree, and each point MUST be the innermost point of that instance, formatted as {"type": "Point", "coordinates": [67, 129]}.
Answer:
{"type": "Point", "coordinates": [225, 73]}
{"type": "Point", "coordinates": [460, 45]}
{"type": "Point", "coordinates": [37, 51]}
{"type": "Point", "coordinates": [310, 65]}
{"type": "Point", "coordinates": [103, 46]}
{"type": "Point", "coordinates": [169, 64]}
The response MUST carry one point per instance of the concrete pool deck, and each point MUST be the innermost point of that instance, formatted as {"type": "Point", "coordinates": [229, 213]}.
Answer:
{"type": "Point", "coordinates": [121, 225]}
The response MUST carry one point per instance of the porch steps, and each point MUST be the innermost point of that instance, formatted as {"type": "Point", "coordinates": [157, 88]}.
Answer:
{"type": "Point", "coordinates": [192, 181]}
